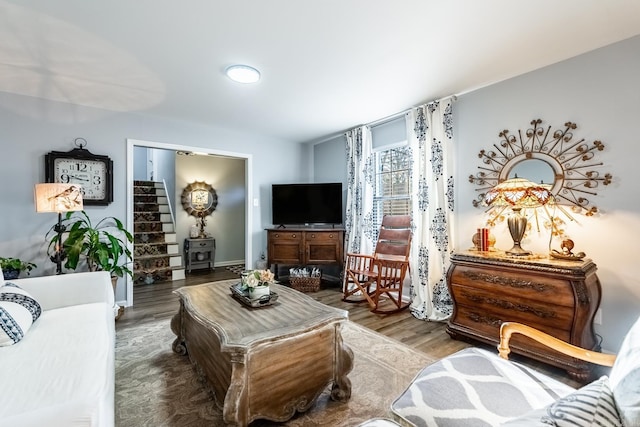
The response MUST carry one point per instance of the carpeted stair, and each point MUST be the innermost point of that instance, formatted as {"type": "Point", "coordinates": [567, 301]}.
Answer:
{"type": "Point", "coordinates": [156, 254]}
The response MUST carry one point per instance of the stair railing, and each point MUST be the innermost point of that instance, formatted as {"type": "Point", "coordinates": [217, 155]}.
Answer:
{"type": "Point", "coordinates": [173, 219]}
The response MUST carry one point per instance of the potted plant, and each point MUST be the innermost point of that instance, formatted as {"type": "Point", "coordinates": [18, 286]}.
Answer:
{"type": "Point", "coordinates": [12, 267]}
{"type": "Point", "coordinates": [257, 283]}
{"type": "Point", "coordinates": [103, 246]}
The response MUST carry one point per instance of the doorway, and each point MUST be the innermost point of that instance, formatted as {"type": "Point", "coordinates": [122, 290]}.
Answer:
{"type": "Point", "coordinates": [133, 149]}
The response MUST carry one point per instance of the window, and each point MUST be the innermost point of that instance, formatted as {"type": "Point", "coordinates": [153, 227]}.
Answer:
{"type": "Point", "coordinates": [392, 185]}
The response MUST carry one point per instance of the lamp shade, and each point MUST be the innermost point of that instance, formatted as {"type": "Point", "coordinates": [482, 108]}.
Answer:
{"type": "Point", "coordinates": [518, 192]}
{"type": "Point", "coordinates": [58, 197]}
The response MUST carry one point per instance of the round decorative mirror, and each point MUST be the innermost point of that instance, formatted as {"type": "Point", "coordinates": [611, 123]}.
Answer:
{"type": "Point", "coordinates": [199, 199]}
{"type": "Point", "coordinates": [535, 170]}
{"type": "Point", "coordinates": [548, 157]}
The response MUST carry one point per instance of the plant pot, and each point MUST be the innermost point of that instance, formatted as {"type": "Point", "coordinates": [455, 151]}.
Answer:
{"type": "Point", "coordinates": [259, 292]}
{"type": "Point", "coordinates": [10, 274]}
{"type": "Point", "coordinates": [114, 283]}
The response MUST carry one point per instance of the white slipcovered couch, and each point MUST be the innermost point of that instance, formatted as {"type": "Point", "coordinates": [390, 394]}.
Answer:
{"type": "Point", "coordinates": [61, 370]}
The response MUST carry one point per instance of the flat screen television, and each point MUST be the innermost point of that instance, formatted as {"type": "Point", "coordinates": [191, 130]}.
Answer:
{"type": "Point", "coordinates": [297, 204]}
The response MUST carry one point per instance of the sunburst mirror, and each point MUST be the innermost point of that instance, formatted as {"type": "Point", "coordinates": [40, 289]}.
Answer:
{"type": "Point", "coordinates": [555, 158]}
{"type": "Point", "coordinates": [199, 199]}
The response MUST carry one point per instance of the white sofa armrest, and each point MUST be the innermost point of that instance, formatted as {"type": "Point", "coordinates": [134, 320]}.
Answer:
{"type": "Point", "coordinates": [69, 289]}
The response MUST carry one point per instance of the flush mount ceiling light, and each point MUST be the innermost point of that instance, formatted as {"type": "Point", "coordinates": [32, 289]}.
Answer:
{"type": "Point", "coordinates": [243, 74]}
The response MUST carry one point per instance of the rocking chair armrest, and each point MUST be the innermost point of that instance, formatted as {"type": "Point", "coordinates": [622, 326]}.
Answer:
{"type": "Point", "coordinates": [364, 256]}
{"type": "Point", "coordinates": [509, 328]}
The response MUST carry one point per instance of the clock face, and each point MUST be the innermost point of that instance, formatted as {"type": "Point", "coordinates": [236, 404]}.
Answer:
{"type": "Point", "coordinates": [93, 173]}
{"type": "Point", "coordinates": [90, 174]}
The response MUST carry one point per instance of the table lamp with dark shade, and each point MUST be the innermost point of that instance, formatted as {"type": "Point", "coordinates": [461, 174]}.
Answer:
{"type": "Point", "coordinates": [518, 193]}
{"type": "Point", "coordinates": [58, 198]}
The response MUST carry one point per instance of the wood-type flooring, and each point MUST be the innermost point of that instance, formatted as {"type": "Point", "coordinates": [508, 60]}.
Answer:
{"type": "Point", "coordinates": [157, 301]}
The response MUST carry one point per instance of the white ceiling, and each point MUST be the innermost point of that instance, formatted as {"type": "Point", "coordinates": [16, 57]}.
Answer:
{"type": "Point", "coordinates": [327, 65]}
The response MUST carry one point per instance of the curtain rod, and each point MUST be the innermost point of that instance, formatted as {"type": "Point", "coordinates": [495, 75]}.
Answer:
{"type": "Point", "coordinates": [384, 120]}
{"type": "Point", "coordinates": [396, 115]}
{"type": "Point", "coordinates": [388, 118]}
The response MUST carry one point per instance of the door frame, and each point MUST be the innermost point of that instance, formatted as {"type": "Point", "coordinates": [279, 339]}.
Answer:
{"type": "Point", "coordinates": [131, 143]}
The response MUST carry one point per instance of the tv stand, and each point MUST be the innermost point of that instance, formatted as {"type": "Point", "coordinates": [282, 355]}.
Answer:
{"type": "Point", "coordinates": [305, 246]}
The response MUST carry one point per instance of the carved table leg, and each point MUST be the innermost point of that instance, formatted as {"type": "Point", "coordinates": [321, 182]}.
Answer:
{"type": "Point", "coordinates": [236, 403]}
{"type": "Point", "coordinates": [176, 326]}
{"type": "Point", "coordinates": [341, 390]}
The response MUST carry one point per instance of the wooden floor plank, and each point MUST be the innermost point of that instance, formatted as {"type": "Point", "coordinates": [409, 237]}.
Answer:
{"type": "Point", "coordinates": [157, 301]}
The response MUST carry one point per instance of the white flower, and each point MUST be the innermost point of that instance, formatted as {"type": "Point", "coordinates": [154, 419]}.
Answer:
{"type": "Point", "coordinates": [252, 281]}
{"type": "Point", "coordinates": [255, 278]}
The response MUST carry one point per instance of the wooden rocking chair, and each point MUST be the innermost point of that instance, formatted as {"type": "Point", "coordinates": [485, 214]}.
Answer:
{"type": "Point", "coordinates": [379, 278]}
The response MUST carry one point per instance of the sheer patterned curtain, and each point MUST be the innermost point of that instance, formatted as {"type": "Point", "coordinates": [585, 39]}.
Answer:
{"type": "Point", "coordinates": [430, 134]}
{"type": "Point", "coordinates": [359, 231]}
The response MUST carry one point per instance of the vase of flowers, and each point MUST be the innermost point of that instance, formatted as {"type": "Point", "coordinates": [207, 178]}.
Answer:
{"type": "Point", "coordinates": [257, 283]}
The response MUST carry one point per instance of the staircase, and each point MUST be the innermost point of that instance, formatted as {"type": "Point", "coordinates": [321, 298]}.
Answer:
{"type": "Point", "coordinates": [156, 254]}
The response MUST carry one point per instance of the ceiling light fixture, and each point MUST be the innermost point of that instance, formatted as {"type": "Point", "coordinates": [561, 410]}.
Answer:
{"type": "Point", "coordinates": [243, 74]}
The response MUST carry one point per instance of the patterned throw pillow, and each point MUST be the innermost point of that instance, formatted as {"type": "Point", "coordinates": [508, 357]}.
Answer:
{"type": "Point", "coordinates": [625, 377]}
{"type": "Point", "coordinates": [591, 405]}
{"type": "Point", "coordinates": [18, 311]}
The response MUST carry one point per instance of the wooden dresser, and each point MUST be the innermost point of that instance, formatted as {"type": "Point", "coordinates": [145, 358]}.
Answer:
{"type": "Point", "coordinates": [557, 297]}
{"type": "Point", "coordinates": [305, 246]}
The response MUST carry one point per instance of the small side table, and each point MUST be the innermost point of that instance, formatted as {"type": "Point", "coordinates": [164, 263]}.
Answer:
{"type": "Point", "coordinates": [199, 253]}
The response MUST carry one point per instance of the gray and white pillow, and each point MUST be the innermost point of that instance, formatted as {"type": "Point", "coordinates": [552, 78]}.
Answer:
{"type": "Point", "coordinates": [625, 377]}
{"type": "Point", "coordinates": [591, 405]}
{"type": "Point", "coordinates": [18, 311]}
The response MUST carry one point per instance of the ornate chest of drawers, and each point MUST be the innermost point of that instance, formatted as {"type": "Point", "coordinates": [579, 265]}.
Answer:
{"type": "Point", "coordinates": [557, 297]}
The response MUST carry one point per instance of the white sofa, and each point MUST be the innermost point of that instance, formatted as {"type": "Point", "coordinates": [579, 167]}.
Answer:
{"type": "Point", "coordinates": [62, 372]}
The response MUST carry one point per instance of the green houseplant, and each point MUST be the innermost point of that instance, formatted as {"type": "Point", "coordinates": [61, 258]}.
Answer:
{"type": "Point", "coordinates": [103, 246]}
{"type": "Point", "coordinates": [12, 267]}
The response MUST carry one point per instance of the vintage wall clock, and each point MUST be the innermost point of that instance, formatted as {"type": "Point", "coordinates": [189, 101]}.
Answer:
{"type": "Point", "coordinates": [79, 166]}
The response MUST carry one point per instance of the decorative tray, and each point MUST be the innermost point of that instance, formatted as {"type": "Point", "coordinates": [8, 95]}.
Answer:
{"type": "Point", "coordinates": [570, 257]}
{"type": "Point", "coordinates": [243, 296]}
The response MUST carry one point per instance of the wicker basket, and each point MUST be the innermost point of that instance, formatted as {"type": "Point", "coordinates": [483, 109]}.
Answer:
{"type": "Point", "coordinates": [305, 284]}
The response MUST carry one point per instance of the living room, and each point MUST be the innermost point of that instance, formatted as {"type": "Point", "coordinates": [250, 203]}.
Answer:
{"type": "Point", "coordinates": [596, 88]}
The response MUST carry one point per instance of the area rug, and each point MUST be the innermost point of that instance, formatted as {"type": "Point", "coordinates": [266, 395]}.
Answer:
{"type": "Point", "coordinates": [236, 268]}
{"type": "Point", "coordinates": [156, 387]}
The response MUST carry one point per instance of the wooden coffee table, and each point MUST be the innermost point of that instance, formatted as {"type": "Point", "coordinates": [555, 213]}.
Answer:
{"type": "Point", "coordinates": [266, 362]}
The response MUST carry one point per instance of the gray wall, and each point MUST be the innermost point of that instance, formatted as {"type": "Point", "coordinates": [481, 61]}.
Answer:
{"type": "Point", "coordinates": [600, 92]}
{"type": "Point", "coordinates": [226, 223]}
{"type": "Point", "coordinates": [32, 127]}
{"type": "Point", "coordinates": [140, 163]}
{"type": "Point", "coordinates": [330, 164]}
{"type": "Point", "coordinates": [164, 169]}
{"type": "Point", "coordinates": [597, 90]}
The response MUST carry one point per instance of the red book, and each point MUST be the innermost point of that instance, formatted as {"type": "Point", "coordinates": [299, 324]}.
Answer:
{"type": "Point", "coordinates": [484, 239]}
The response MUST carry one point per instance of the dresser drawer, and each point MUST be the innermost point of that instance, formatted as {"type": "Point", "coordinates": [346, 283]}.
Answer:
{"type": "Point", "coordinates": [516, 284]}
{"type": "Point", "coordinates": [285, 235]}
{"type": "Point", "coordinates": [486, 324]}
{"type": "Point", "coordinates": [322, 237]}
{"type": "Point", "coordinates": [528, 311]}
{"type": "Point", "coordinates": [201, 245]}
